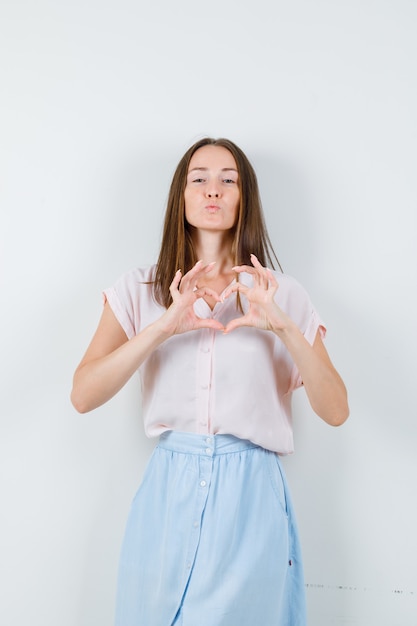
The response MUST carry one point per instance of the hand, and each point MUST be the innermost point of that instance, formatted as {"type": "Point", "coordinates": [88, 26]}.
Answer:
{"type": "Point", "coordinates": [263, 311]}
{"type": "Point", "coordinates": [180, 316]}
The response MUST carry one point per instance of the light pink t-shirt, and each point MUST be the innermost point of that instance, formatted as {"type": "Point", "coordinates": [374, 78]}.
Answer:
{"type": "Point", "coordinates": [207, 382]}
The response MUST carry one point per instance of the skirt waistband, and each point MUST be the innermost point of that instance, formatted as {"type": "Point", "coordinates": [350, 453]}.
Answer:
{"type": "Point", "coordinates": [206, 445]}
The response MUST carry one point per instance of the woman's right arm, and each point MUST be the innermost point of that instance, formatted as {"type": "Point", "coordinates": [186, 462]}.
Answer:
{"type": "Point", "coordinates": [110, 361]}
{"type": "Point", "coordinates": [111, 358]}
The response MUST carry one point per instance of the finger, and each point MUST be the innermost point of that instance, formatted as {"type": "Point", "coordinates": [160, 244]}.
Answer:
{"type": "Point", "coordinates": [236, 323]}
{"type": "Point", "coordinates": [190, 278]}
{"type": "Point", "coordinates": [200, 267]}
{"type": "Point", "coordinates": [256, 272]}
{"type": "Point", "coordinates": [190, 275]}
{"type": "Point", "coordinates": [210, 323]}
{"type": "Point", "coordinates": [173, 288]}
{"type": "Point", "coordinates": [272, 278]}
{"type": "Point", "coordinates": [262, 271]}
{"type": "Point", "coordinates": [207, 268]}
{"type": "Point", "coordinates": [244, 268]}
{"type": "Point", "coordinates": [265, 271]}
{"type": "Point", "coordinates": [200, 292]}
{"type": "Point", "coordinates": [259, 278]}
{"type": "Point", "coordinates": [255, 261]}
{"type": "Point", "coordinates": [235, 287]}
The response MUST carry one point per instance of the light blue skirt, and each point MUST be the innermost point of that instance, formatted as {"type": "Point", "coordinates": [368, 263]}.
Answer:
{"type": "Point", "coordinates": [211, 539]}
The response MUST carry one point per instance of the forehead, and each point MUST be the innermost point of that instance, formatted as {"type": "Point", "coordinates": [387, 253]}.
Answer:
{"type": "Point", "coordinates": [212, 157]}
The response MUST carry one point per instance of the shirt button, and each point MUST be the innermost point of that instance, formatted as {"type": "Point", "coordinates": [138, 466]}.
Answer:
{"type": "Point", "coordinates": [195, 524]}
{"type": "Point", "coordinates": [203, 483]}
{"type": "Point", "coordinates": [209, 451]}
{"type": "Point", "coordinates": [204, 386]}
{"type": "Point", "coordinates": [208, 440]}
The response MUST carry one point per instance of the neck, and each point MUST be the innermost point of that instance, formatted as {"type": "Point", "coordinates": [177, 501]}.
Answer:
{"type": "Point", "coordinates": [214, 247]}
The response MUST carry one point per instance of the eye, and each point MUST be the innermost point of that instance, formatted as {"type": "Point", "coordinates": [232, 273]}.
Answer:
{"type": "Point", "coordinates": [229, 181]}
{"type": "Point", "coordinates": [198, 180]}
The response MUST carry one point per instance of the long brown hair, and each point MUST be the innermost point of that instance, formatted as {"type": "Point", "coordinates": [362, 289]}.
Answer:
{"type": "Point", "coordinates": [250, 234]}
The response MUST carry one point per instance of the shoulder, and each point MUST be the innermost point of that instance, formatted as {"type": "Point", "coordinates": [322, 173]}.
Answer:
{"type": "Point", "coordinates": [132, 287]}
{"type": "Point", "coordinates": [136, 278]}
{"type": "Point", "coordinates": [285, 280]}
{"type": "Point", "coordinates": [131, 298]}
{"type": "Point", "coordinates": [292, 296]}
{"type": "Point", "coordinates": [288, 284]}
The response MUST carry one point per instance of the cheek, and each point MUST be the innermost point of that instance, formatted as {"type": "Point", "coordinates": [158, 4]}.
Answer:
{"type": "Point", "coordinates": [186, 199]}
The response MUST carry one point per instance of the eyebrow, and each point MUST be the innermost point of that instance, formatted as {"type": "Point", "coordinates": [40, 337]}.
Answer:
{"type": "Point", "coordinates": [205, 169]}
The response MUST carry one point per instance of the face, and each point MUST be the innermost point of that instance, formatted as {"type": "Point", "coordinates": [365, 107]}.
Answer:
{"type": "Point", "coordinates": [212, 192]}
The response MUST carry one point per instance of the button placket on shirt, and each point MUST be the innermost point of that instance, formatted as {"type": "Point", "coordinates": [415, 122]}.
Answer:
{"type": "Point", "coordinates": [203, 379]}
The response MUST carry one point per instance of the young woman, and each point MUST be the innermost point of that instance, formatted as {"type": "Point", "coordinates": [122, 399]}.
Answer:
{"type": "Point", "coordinates": [220, 340]}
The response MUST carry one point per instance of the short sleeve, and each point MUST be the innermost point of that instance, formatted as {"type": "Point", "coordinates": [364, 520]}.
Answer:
{"type": "Point", "coordinates": [123, 298]}
{"type": "Point", "coordinates": [297, 304]}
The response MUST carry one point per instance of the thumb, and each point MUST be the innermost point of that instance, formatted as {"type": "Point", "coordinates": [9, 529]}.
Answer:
{"type": "Point", "coordinates": [236, 323]}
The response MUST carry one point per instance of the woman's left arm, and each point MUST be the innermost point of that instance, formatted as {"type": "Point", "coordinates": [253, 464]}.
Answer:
{"type": "Point", "coordinates": [325, 388]}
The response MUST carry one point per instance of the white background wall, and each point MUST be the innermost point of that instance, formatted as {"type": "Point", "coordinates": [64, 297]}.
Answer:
{"type": "Point", "coordinates": [99, 100]}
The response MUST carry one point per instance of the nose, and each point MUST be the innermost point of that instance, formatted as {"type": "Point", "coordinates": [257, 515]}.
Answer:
{"type": "Point", "coordinates": [212, 189]}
